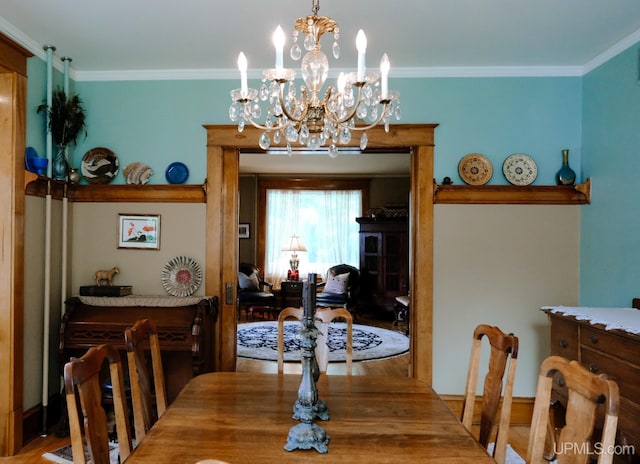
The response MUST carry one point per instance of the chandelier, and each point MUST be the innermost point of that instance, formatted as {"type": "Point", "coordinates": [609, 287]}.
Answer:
{"type": "Point", "coordinates": [359, 101]}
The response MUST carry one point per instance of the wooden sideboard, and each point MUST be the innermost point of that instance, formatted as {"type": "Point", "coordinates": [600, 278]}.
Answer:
{"type": "Point", "coordinates": [185, 331]}
{"type": "Point", "coordinates": [613, 352]}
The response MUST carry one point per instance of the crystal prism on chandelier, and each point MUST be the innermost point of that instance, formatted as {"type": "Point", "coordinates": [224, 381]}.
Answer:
{"type": "Point", "coordinates": [359, 101]}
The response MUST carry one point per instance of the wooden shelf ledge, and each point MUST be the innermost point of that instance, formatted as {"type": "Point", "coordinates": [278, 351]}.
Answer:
{"type": "Point", "coordinates": [116, 193]}
{"type": "Point", "coordinates": [171, 193]}
{"type": "Point", "coordinates": [513, 195]}
{"type": "Point", "coordinates": [29, 177]}
{"type": "Point", "coordinates": [40, 186]}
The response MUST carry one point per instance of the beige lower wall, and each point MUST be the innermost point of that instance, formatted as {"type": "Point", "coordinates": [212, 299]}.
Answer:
{"type": "Point", "coordinates": [493, 264]}
{"type": "Point", "coordinates": [34, 279]}
{"type": "Point", "coordinates": [94, 245]}
{"type": "Point", "coordinates": [498, 264]}
{"type": "Point", "coordinates": [33, 298]}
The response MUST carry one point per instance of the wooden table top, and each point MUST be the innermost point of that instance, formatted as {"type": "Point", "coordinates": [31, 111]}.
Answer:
{"type": "Point", "coordinates": [246, 417]}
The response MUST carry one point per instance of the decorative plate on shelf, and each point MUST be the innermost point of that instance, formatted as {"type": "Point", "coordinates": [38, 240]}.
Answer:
{"type": "Point", "coordinates": [181, 276]}
{"type": "Point", "coordinates": [137, 173]}
{"type": "Point", "coordinates": [475, 169]}
{"type": "Point", "coordinates": [99, 165]}
{"type": "Point", "coordinates": [520, 169]}
{"type": "Point", "coordinates": [177, 173]}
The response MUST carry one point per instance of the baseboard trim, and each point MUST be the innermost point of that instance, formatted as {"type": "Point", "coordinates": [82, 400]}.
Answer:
{"type": "Point", "coordinates": [32, 419]}
{"type": "Point", "coordinates": [521, 408]}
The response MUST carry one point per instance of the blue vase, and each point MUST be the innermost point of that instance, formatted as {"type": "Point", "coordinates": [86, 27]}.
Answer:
{"type": "Point", "coordinates": [566, 175]}
{"type": "Point", "coordinates": [60, 165]}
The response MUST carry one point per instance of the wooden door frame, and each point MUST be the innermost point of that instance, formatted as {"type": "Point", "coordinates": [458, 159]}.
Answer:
{"type": "Point", "coordinates": [224, 144]}
{"type": "Point", "coordinates": [13, 102]}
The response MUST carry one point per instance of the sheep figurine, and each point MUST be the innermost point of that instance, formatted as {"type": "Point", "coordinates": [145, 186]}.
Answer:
{"type": "Point", "coordinates": [106, 276]}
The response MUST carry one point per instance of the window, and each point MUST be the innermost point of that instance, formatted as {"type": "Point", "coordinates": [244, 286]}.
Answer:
{"type": "Point", "coordinates": [324, 219]}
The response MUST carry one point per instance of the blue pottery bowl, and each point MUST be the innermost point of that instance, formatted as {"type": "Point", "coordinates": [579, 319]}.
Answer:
{"type": "Point", "coordinates": [39, 164]}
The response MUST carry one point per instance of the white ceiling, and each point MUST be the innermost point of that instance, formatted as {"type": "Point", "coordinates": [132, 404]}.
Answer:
{"type": "Point", "coordinates": [118, 35]}
{"type": "Point", "coordinates": [117, 39]}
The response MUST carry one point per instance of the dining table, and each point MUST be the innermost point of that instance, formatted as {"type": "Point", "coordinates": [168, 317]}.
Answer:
{"type": "Point", "coordinates": [243, 417]}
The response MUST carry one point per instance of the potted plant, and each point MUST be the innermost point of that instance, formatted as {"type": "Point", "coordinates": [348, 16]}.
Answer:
{"type": "Point", "coordinates": [66, 123]}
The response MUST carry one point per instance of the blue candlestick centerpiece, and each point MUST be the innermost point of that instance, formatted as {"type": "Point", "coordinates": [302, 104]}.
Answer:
{"type": "Point", "coordinates": [308, 406]}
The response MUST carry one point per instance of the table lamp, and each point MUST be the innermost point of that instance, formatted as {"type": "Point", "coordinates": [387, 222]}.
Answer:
{"type": "Point", "coordinates": [294, 245]}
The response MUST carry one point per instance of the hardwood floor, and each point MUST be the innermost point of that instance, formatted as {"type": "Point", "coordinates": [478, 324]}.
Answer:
{"type": "Point", "coordinates": [33, 451]}
{"type": "Point", "coordinates": [519, 439]}
{"type": "Point", "coordinates": [397, 366]}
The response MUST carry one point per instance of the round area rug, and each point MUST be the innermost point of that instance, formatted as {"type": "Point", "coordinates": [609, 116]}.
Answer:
{"type": "Point", "coordinates": [259, 340]}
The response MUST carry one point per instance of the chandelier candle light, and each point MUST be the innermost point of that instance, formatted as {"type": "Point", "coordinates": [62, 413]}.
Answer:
{"type": "Point", "coordinates": [360, 100]}
{"type": "Point", "coordinates": [294, 246]}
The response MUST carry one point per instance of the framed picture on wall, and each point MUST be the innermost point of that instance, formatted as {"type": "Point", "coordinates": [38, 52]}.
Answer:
{"type": "Point", "coordinates": [244, 230]}
{"type": "Point", "coordinates": [139, 231]}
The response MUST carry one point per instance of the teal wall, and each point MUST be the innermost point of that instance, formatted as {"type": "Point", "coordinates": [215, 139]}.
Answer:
{"type": "Point", "coordinates": [498, 117]}
{"type": "Point", "coordinates": [610, 228]}
{"type": "Point", "coordinates": [156, 122]}
{"type": "Point", "coordinates": [36, 96]}
{"type": "Point", "coordinates": [597, 117]}
{"type": "Point", "coordinates": [159, 122]}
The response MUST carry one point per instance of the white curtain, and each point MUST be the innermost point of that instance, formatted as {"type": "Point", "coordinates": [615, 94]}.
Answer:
{"type": "Point", "coordinates": [325, 221]}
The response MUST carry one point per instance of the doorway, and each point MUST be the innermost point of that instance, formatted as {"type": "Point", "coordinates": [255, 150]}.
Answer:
{"type": "Point", "coordinates": [13, 91]}
{"type": "Point", "coordinates": [381, 180]}
{"type": "Point", "coordinates": [224, 144]}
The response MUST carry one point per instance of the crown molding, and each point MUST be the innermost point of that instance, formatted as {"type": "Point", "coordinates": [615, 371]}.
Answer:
{"type": "Point", "coordinates": [397, 73]}
{"type": "Point", "coordinates": [157, 75]}
{"type": "Point", "coordinates": [618, 48]}
{"type": "Point", "coordinates": [489, 71]}
{"type": "Point", "coordinates": [29, 44]}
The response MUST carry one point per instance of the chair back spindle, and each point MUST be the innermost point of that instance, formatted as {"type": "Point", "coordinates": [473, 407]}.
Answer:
{"type": "Point", "coordinates": [82, 385]}
{"type": "Point", "coordinates": [324, 316]}
{"type": "Point", "coordinates": [586, 391]}
{"type": "Point", "coordinates": [503, 351]}
{"type": "Point", "coordinates": [140, 339]}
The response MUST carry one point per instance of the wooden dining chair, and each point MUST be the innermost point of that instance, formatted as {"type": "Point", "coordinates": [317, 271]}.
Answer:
{"type": "Point", "coordinates": [140, 339]}
{"type": "Point", "coordinates": [286, 313]}
{"type": "Point", "coordinates": [82, 384]}
{"type": "Point", "coordinates": [504, 350]}
{"type": "Point", "coordinates": [324, 316]}
{"type": "Point", "coordinates": [586, 392]}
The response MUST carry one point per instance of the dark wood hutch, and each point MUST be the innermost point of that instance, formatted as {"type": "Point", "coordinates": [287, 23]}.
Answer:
{"type": "Point", "coordinates": [384, 260]}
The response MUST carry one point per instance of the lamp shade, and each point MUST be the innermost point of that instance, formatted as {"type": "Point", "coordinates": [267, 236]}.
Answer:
{"type": "Point", "coordinates": [295, 244]}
